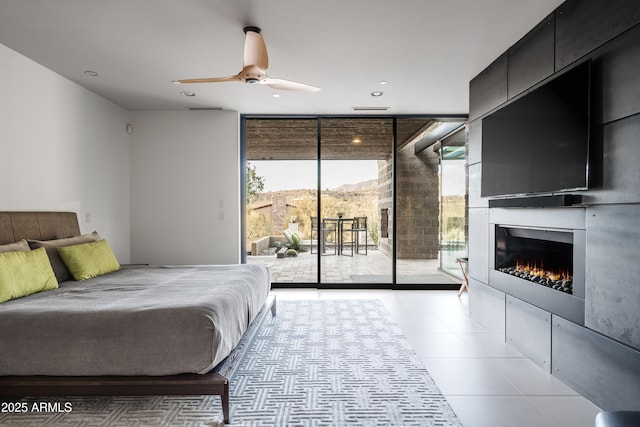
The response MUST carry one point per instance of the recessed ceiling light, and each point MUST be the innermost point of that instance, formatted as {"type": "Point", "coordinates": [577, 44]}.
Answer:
{"type": "Point", "coordinates": [383, 82]}
{"type": "Point", "coordinates": [187, 93]}
{"type": "Point", "coordinates": [91, 73]}
{"type": "Point", "coordinates": [176, 82]}
{"type": "Point", "coordinates": [377, 93]}
{"type": "Point", "coordinates": [356, 140]}
{"type": "Point", "coordinates": [276, 95]}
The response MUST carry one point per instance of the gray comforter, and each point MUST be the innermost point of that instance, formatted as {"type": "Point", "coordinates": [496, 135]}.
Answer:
{"type": "Point", "coordinates": [137, 321]}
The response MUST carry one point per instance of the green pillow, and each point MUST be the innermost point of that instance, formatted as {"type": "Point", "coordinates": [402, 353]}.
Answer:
{"type": "Point", "coordinates": [59, 269]}
{"type": "Point", "coordinates": [25, 273]}
{"type": "Point", "coordinates": [88, 260]}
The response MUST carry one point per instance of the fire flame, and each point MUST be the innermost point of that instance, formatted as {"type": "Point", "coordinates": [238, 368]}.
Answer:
{"type": "Point", "coordinates": [539, 271]}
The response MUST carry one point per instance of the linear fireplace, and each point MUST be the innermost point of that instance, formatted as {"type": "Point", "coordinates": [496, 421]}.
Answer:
{"type": "Point", "coordinates": [544, 267]}
{"type": "Point", "coordinates": [542, 257]}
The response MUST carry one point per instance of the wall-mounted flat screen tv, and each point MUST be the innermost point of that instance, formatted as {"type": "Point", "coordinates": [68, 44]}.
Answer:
{"type": "Point", "coordinates": [540, 142]}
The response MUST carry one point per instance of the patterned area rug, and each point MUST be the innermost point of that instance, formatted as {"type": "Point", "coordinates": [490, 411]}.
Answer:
{"type": "Point", "coordinates": [317, 363]}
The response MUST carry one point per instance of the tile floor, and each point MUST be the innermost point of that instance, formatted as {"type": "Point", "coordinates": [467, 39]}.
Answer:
{"type": "Point", "coordinates": [486, 381]}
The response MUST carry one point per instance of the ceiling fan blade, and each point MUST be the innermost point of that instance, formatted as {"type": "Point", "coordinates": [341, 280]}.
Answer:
{"type": "Point", "coordinates": [235, 78]}
{"type": "Point", "coordinates": [256, 62]}
{"type": "Point", "coordinates": [288, 85]}
{"type": "Point", "coordinates": [255, 50]}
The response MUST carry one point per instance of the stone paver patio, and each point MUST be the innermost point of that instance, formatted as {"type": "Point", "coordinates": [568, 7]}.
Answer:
{"type": "Point", "coordinates": [375, 267]}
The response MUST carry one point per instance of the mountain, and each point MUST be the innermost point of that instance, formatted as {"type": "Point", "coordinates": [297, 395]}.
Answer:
{"type": "Point", "coordinates": [360, 186]}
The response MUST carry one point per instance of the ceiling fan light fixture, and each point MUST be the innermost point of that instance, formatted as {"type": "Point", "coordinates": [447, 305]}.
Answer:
{"type": "Point", "coordinates": [255, 64]}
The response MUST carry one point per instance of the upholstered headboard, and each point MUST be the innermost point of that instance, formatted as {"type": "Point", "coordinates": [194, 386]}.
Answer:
{"type": "Point", "coordinates": [37, 226]}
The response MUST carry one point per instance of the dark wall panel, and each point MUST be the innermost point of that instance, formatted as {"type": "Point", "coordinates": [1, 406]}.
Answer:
{"type": "Point", "coordinates": [529, 330]}
{"type": "Point", "coordinates": [584, 25]}
{"type": "Point", "coordinates": [602, 370]}
{"type": "Point", "coordinates": [612, 272]}
{"type": "Point", "coordinates": [479, 244]}
{"type": "Point", "coordinates": [487, 307]}
{"type": "Point", "coordinates": [531, 60]}
{"type": "Point", "coordinates": [619, 78]}
{"type": "Point", "coordinates": [620, 181]}
{"type": "Point", "coordinates": [475, 142]}
{"type": "Point", "coordinates": [489, 88]}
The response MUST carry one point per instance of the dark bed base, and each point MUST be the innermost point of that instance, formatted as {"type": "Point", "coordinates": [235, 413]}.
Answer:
{"type": "Point", "coordinates": [215, 382]}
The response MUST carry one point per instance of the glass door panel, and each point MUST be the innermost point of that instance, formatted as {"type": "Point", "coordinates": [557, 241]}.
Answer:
{"type": "Point", "coordinates": [356, 200]}
{"type": "Point", "coordinates": [453, 203]}
{"type": "Point", "coordinates": [417, 204]}
{"type": "Point", "coordinates": [282, 197]}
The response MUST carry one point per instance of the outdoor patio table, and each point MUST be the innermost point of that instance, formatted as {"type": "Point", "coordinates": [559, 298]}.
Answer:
{"type": "Point", "coordinates": [339, 227]}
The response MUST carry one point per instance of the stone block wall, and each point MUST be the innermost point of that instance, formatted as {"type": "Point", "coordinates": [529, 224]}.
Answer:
{"type": "Point", "coordinates": [418, 209]}
{"type": "Point", "coordinates": [385, 201]}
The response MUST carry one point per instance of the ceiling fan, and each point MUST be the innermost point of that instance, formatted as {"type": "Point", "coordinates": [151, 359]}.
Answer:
{"type": "Point", "coordinates": [255, 66]}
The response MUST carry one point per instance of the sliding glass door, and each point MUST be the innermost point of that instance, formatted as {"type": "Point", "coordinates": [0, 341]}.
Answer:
{"type": "Point", "coordinates": [417, 204]}
{"type": "Point", "coordinates": [281, 197]}
{"type": "Point", "coordinates": [322, 195]}
{"type": "Point", "coordinates": [430, 202]}
{"type": "Point", "coordinates": [356, 200]}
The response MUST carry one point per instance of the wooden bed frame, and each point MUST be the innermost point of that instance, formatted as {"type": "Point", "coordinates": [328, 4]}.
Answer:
{"type": "Point", "coordinates": [57, 225]}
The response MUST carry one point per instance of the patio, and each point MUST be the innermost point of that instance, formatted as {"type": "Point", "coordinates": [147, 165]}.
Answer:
{"type": "Point", "coordinates": [375, 267]}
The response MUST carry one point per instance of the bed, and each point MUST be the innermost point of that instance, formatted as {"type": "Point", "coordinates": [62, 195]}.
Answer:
{"type": "Point", "coordinates": [138, 330]}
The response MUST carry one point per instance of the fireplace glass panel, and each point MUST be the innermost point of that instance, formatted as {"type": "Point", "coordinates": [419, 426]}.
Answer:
{"type": "Point", "coordinates": [542, 257]}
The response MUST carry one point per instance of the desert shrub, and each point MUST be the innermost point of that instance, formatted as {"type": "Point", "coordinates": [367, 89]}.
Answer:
{"type": "Point", "coordinates": [291, 253]}
{"type": "Point", "coordinates": [258, 226]}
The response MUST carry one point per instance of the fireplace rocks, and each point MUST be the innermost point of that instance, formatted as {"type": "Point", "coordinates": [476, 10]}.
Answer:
{"type": "Point", "coordinates": [541, 277]}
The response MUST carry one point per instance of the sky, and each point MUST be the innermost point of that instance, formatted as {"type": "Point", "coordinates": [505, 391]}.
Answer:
{"type": "Point", "coordinates": [301, 174]}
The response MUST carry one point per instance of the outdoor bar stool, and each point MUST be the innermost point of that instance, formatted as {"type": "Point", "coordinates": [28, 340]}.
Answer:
{"type": "Point", "coordinates": [359, 226]}
{"type": "Point", "coordinates": [330, 225]}
{"type": "Point", "coordinates": [347, 228]}
{"type": "Point", "coordinates": [321, 229]}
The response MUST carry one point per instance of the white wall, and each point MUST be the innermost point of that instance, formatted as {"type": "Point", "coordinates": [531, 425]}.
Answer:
{"type": "Point", "coordinates": [185, 187]}
{"type": "Point", "coordinates": [63, 148]}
